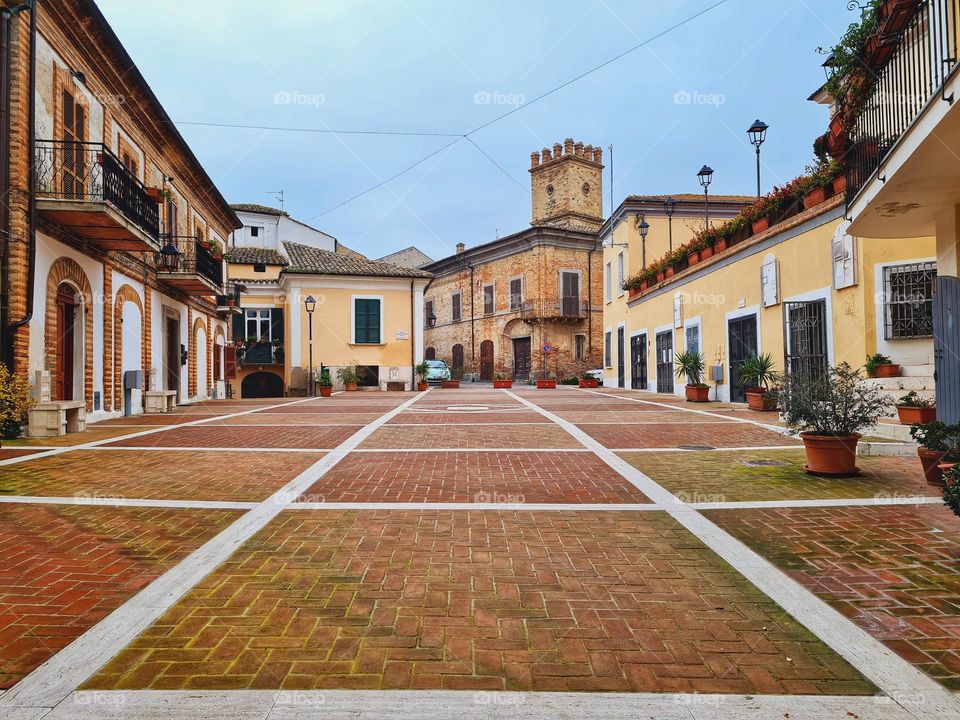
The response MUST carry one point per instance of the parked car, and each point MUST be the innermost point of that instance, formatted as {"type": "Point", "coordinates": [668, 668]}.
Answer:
{"type": "Point", "coordinates": [437, 371]}
{"type": "Point", "coordinates": [596, 374]}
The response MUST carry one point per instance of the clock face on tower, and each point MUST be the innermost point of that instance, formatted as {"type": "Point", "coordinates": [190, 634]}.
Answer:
{"type": "Point", "coordinates": [549, 189]}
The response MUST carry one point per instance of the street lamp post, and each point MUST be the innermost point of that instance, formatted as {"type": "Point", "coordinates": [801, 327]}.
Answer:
{"type": "Point", "coordinates": [758, 133]}
{"type": "Point", "coordinates": [670, 206]}
{"type": "Point", "coordinates": [644, 228]}
{"type": "Point", "coordinates": [705, 176]}
{"type": "Point", "coordinates": [310, 304]}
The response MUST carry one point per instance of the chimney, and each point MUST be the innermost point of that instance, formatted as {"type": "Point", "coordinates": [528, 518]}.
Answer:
{"type": "Point", "coordinates": [460, 247]}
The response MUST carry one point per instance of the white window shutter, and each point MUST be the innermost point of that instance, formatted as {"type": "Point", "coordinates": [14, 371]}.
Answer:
{"type": "Point", "coordinates": [769, 282]}
{"type": "Point", "coordinates": [844, 258]}
{"type": "Point", "coordinates": [678, 311]}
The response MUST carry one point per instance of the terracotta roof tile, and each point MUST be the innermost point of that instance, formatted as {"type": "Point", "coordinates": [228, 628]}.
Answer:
{"type": "Point", "coordinates": [255, 208]}
{"type": "Point", "coordinates": [305, 259]}
{"type": "Point", "coordinates": [255, 256]}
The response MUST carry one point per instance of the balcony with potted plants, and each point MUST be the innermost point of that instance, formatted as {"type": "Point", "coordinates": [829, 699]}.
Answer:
{"type": "Point", "coordinates": [229, 303]}
{"type": "Point", "coordinates": [191, 265]}
{"type": "Point", "coordinates": [259, 351]}
{"type": "Point", "coordinates": [84, 188]}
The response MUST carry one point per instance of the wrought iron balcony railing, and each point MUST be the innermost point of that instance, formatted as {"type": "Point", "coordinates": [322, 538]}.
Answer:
{"type": "Point", "coordinates": [191, 258]}
{"type": "Point", "coordinates": [261, 353]}
{"type": "Point", "coordinates": [230, 299]}
{"type": "Point", "coordinates": [922, 61]}
{"type": "Point", "coordinates": [86, 171]}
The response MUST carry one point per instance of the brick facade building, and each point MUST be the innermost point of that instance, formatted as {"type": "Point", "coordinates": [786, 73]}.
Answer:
{"type": "Point", "coordinates": [496, 306]}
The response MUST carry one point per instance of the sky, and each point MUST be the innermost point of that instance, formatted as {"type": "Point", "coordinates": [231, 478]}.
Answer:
{"type": "Point", "coordinates": [442, 69]}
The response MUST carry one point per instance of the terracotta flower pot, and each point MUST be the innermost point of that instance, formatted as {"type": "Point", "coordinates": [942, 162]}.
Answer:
{"type": "Point", "coordinates": [757, 401]}
{"type": "Point", "coordinates": [422, 386]}
{"type": "Point", "coordinates": [698, 393]}
{"type": "Point", "coordinates": [831, 456]}
{"type": "Point", "coordinates": [719, 245]}
{"type": "Point", "coordinates": [589, 382]}
{"type": "Point", "coordinates": [815, 197]}
{"type": "Point", "coordinates": [669, 272]}
{"type": "Point", "coordinates": [660, 277]}
{"type": "Point", "coordinates": [693, 258]}
{"type": "Point", "coordinates": [633, 292]}
{"type": "Point", "coordinates": [326, 390]}
{"type": "Point", "coordinates": [706, 252]}
{"type": "Point", "coordinates": [916, 415]}
{"type": "Point", "coordinates": [503, 384]}
{"type": "Point", "coordinates": [644, 285]}
{"type": "Point", "coordinates": [350, 387]}
{"type": "Point", "coordinates": [546, 384]}
{"type": "Point", "coordinates": [887, 371]}
{"type": "Point", "coordinates": [840, 184]}
{"type": "Point", "coordinates": [760, 224]}
{"type": "Point", "coordinates": [450, 384]}
{"type": "Point", "coordinates": [155, 194]}
{"type": "Point", "coordinates": [930, 462]}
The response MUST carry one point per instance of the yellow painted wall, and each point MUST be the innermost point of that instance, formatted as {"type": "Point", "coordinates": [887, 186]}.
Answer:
{"type": "Point", "coordinates": [237, 271]}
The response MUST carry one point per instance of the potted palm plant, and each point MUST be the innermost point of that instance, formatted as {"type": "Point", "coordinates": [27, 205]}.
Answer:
{"type": "Point", "coordinates": [939, 444]}
{"type": "Point", "coordinates": [349, 377]}
{"type": "Point", "coordinates": [501, 382]}
{"type": "Point", "coordinates": [325, 383]}
{"type": "Point", "coordinates": [421, 370]}
{"type": "Point", "coordinates": [690, 365]}
{"type": "Point", "coordinates": [914, 409]}
{"type": "Point", "coordinates": [879, 365]}
{"type": "Point", "coordinates": [756, 376]}
{"type": "Point", "coordinates": [828, 411]}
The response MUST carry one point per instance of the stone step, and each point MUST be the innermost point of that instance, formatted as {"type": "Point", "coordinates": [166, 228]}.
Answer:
{"type": "Point", "coordinates": [887, 449]}
{"type": "Point", "coordinates": [913, 382]}
{"type": "Point", "coordinates": [916, 370]}
{"type": "Point", "coordinates": [889, 430]}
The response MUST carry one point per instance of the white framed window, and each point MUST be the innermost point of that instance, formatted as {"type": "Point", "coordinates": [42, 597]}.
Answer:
{"type": "Point", "coordinates": [908, 300]}
{"type": "Point", "coordinates": [580, 347]}
{"type": "Point", "coordinates": [620, 277]}
{"type": "Point", "coordinates": [366, 322]}
{"type": "Point", "coordinates": [258, 324]}
{"type": "Point", "coordinates": [608, 282]}
{"type": "Point", "coordinates": [608, 349]}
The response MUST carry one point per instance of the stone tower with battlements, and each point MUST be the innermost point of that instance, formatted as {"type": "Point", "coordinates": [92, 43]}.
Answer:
{"type": "Point", "coordinates": [567, 186]}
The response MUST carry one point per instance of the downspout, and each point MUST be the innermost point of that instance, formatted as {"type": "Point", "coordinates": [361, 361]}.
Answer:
{"type": "Point", "coordinates": [590, 297]}
{"type": "Point", "coordinates": [413, 338]}
{"type": "Point", "coordinates": [473, 339]}
{"type": "Point", "coordinates": [32, 177]}
{"type": "Point", "coordinates": [5, 25]}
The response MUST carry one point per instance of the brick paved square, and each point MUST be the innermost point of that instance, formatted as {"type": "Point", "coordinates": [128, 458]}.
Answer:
{"type": "Point", "coordinates": [290, 419]}
{"type": "Point", "coordinates": [436, 417]}
{"type": "Point", "coordinates": [66, 567]}
{"type": "Point", "coordinates": [474, 477]}
{"type": "Point", "coordinates": [166, 474]}
{"type": "Point", "coordinates": [636, 416]}
{"type": "Point", "coordinates": [743, 476]}
{"type": "Point", "coordinates": [478, 600]}
{"type": "Point", "coordinates": [326, 437]}
{"type": "Point", "coordinates": [92, 434]}
{"type": "Point", "coordinates": [333, 405]}
{"type": "Point", "coordinates": [890, 569]}
{"type": "Point", "coordinates": [396, 437]}
{"type": "Point", "coordinates": [668, 435]}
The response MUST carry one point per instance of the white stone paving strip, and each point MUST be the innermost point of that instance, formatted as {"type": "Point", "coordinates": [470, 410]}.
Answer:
{"type": "Point", "coordinates": [61, 449]}
{"type": "Point", "coordinates": [55, 679]}
{"type": "Point", "coordinates": [912, 689]}
{"type": "Point", "coordinates": [464, 705]}
{"type": "Point", "coordinates": [94, 499]}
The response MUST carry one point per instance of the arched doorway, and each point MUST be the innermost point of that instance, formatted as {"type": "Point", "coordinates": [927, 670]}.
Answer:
{"type": "Point", "coordinates": [69, 334]}
{"type": "Point", "coordinates": [262, 385]}
{"type": "Point", "coordinates": [430, 354]}
{"type": "Point", "coordinates": [486, 360]}
{"type": "Point", "coordinates": [457, 357]}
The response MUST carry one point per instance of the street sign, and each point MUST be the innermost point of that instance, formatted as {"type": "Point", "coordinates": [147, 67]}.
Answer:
{"type": "Point", "coordinates": [547, 349]}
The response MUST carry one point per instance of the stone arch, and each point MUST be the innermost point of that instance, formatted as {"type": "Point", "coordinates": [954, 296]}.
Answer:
{"type": "Point", "coordinates": [125, 294]}
{"type": "Point", "coordinates": [68, 270]}
{"type": "Point", "coordinates": [200, 323]}
{"type": "Point", "coordinates": [430, 353]}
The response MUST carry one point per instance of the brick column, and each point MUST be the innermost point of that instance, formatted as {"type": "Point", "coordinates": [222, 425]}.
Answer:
{"type": "Point", "coordinates": [108, 320]}
{"type": "Point", "coordinates": [191, 355]}
{"type": "Point", "coordinates": [210, 351]}
{"type": "Point", "coordinates": [147, 335]}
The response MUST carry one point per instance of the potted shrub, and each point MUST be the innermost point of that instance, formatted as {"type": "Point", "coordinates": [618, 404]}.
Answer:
{"type": "Point", "coordinates": [456, 374]}
{"type": "Point", "coordinates": [15, 402]}
{"type": "Point", "coordinates": [501, 382]}
{"type": "Point", "coordinates": [547, 382]}
{"type": "Point", "coordinates": [420, 370]}
{"type": "Point", "coordinates": [349, 377]}
{"type": "Point", "coordinates": [690, 365]}
{"type": "Point", "coordinates": [913, 409]}
{"type": "Point", "coordinates": [951, 489]}
{"type": "Point", "coordinates": [939, 443]}
{"type": "Point", "coordinates": [155, 194]}
{"type": "Point", "coordinates": [829, 411]}
{"type": "Point", "coordinates": [325, 382]}
{"type": "Point", "coordinates": [588, 381]}
{"type": "Point", "coordinates": [879, 365]}
{"type": "Point", "coordinates": [756, 377]}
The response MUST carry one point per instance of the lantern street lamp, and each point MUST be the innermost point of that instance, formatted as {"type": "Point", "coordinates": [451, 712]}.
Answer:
{"type": "Point", "coordinates": [169, 257]}
{"type": "Point", "coordinates": [644, 228]}
{"type": "Point", "coordinates": [310, 304]}
{"type": "Point", "coordinates": [758, 133]}
{"type": "Point", "coordinates": [705, 176]}
{"type": "Point", "coordinates": [669, 207]}
{"type": "Point", "coordinates": [431, 320]}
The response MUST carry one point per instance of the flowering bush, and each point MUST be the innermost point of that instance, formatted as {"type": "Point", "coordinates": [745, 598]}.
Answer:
{"type": "Point", "coordinates": [15, 401]}
{"type": "Point", "coordinates": [951, 489]}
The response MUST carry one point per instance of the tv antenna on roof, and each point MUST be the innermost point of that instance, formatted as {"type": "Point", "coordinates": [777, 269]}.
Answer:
{"type": "Point", "coordinates": [278, 195]}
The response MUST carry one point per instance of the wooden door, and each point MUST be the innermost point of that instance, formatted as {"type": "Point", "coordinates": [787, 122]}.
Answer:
{"type": "Point", "coordinates": [457, 357]}
{"type": "Point", "coordinates": [570, 291]}
{"type": "Point", "coordinates": [946, 348]}
{"type": "Point", "coordinates": [74, 159]}
{"type": "Point", "coordinates": [173, 354]}
{"type": "Point", "coordinates": [521, 358]}
{"type": "Point", "coordinates": [638, 362]}
{"type": "Point", "coordinates": [743, 345]}
{"type": "Point", "coordinates": [430, 354]}
{"type": "Point", "coordinates": [486, 360]}
{"type": "Point", "coordinates": [66, 318]}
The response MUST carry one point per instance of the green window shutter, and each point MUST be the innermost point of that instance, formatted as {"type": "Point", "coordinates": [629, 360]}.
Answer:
{"type": "Point", "coordinates": [239, 329]}
{"type": "Point", "coordinates": [276, 324]}
{"type": "Point", "coordinates": [367, 321]}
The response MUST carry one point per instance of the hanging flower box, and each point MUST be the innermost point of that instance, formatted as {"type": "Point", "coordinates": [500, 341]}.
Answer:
{"type": "Point", "coordinates": [840, 184]}
{"type": "Point", "coordinates": [760, 224]}
{"type": "Point", "coordinates": [693, 258]}
{"type": "Point", "coordinates": [815, 197]}
{"type": "Point", "coordinates": [895, 14]}
{"type": "Point", "coordinates": [660, 276]}
{"type": "Point", "coordinates": [546, 384]}
{"type": "Point", "coordinates": [706, 252]}
{"type": "Point", "coordinates": [668, 272]}
{"type": "Point", "coordinates": [644, 284]}
{"type": "Point", "coordinates": [155, 194]}
{"type": "Point", "coordinates": [719, 245]}
{"type": "Point", "coordinates": [633, 292]}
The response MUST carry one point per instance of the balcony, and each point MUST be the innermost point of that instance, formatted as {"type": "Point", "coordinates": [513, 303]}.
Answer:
{"type": "Point", "coordinates": [567, 310]}
{"type": "Point", "coordinates": [901, 159]}
{"type": "Point", "coordinates": [229, 303]}
{"type": "Point", "coordinates": [86, 189]}
{"type": "Point", "coordinates": [183, 263]}
{"type": "Point", "coordinates": [260, 353]}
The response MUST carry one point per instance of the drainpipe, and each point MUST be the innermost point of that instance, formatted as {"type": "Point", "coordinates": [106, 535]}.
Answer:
{"type": "Point", "coordinates": [5, 167]}
{"type": "Point", "coordinates": [473, 339]}
{"type": "Point", "coordinates": [32, 177]}
{"type": "Point", "coordinates": [413, 338]}
{"type": "Point", "coordinates": [590, 297]}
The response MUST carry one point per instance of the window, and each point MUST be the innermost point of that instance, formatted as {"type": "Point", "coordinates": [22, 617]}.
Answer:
{"type": "Point", "coordinates": [254, 231]}
{"type": "Point", "coordinates": [570, 294]}
{"type": "Point", "coordinates": [693, 338]}
{"type": "Point", "coordinates": [620, 277]}
{"type": "Point", "coordinates": [608, 282]}
{"type": "Point", "coordinates": [427, 312]}
{"type": "Point", "coordinates": [259, 267]}
{"type": "Point", "coordinates": [74, 131]}
{"type": "Point", "coordinates": [607, 349]}
{"type": "Point", "coordinates": [258, 324]}
{"type": "Point", "coordinates": [908, 300]}
{"type": "Point", "coordinates": [488, 303]}
{"type": "Point", "coordinates": [171, 215]}
{"type": "Point", "coordinates": [580, 347]}
{"type": "Point", "coordinates": [516, 293]}
{"type": "Point", "coordinates": [455, 309]}
{"type": "Point", "coordinates": [366, 321]}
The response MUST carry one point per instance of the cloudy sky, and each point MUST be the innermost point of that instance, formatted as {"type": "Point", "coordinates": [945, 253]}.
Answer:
{"type": "Point", "coordinates": [445, 68]}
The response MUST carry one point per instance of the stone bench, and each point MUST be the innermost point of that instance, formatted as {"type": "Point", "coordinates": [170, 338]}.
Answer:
{"type": "Point", "coordinates": [159, 401]}
{"type": "Point", "coordinates": [56, 418]}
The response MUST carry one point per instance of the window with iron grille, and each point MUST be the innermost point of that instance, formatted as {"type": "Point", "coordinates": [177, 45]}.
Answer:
{"type": "Point", "coordinates": [908, 300]}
